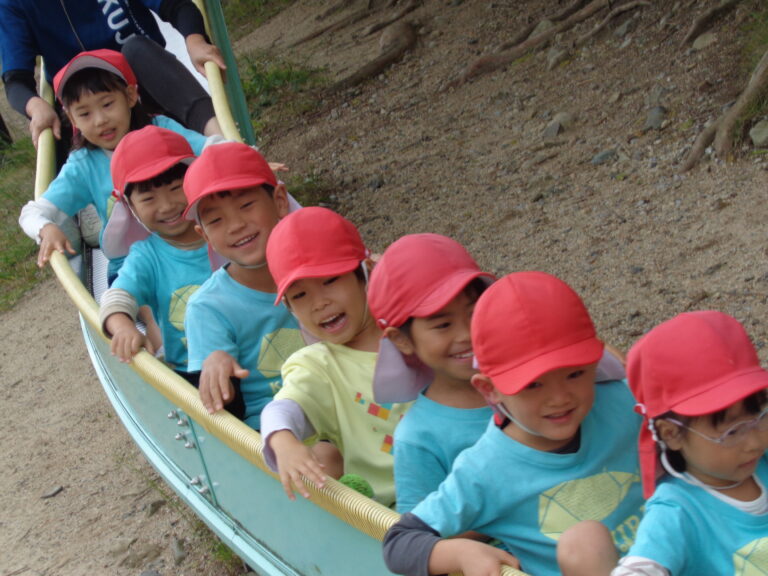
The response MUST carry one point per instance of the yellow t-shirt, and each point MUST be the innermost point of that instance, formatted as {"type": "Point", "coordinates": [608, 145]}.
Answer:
{"type": "Point", "coordinates": [333, 384]}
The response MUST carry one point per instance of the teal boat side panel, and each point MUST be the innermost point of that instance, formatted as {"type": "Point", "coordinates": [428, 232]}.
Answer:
{"type": "Point", "coordinates": [311, 539]}
{"type": "Point", "coordinates": [244, 506]}
{"type": "Point", "coordinates": [150, 410]}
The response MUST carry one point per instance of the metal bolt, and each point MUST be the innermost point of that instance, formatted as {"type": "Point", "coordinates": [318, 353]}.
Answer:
{"type": "Point", "coordinates": [172, 414]}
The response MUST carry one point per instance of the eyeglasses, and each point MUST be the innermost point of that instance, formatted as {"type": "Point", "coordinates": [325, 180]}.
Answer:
{"type": "Point", "coordinates": [736, 433]}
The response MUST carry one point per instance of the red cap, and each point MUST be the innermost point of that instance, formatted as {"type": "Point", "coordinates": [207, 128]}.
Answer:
{"type": "Point", "coordinates": [222, 167]}
{"type": "Point", "coordinates": [418, 275]}
{"type": "Point", "coordinates": [312, 243]}
{"type": "Point", "coordinates": [530, 323]}
{"type": "Point", "coordinates": [143, 154]}
{"type": "Point", "coordinates": [105, 59]}
{"type": "Point", "coordinates": [694, 364]}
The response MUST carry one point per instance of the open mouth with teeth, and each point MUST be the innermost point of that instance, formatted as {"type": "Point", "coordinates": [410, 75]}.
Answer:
{"type": "Point", "coordinates": [244, 241]}
{"type": "Point", "coordinates": [172, 220]}
{"type": "Point", "coordinates": [466, 355]}
{"type": "Point", "coordinates": [334, 323]}
{"type": "Point", "coordinates": [561, 417]}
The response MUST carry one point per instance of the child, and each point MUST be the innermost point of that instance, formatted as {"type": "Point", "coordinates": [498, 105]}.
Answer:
{"type": "Point", "coordinates": [233, 330]}
{"type": "Point", "coordinates": [99, 94]}
{"type": "Point", "coordinates": [171, 261]}
{"type": "Point", "coordinates": [560, 449]}
{"type": "Point", "coordinates": [422, 294]}
{"type": "Point", "coordinates": [698, 381]}
{"type": "Point", "coordinates": [320, 265]}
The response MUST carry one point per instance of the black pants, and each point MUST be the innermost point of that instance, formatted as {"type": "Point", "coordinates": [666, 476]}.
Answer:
{"type": "Point", "coordinates": [236, 407]}
{"type": "Point", "coordinates": [166, 86]}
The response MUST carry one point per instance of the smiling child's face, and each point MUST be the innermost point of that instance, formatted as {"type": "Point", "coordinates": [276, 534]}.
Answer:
{"type": "Point", "coordinates": [553, 406]}
{"type": "Point", "coordinates": [237, 224]}
{"type": "Point", "coordinates": [104, 118]}
{"type": "Point", "coordinates": [160, 209]}
{"type": "Point", "coordinates": [443, 342]}
{"type": "Point", "coordinates": [333, 308]}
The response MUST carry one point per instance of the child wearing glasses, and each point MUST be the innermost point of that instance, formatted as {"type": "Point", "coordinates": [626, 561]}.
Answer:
{"type": "Point", "coordinates": [702, 391]}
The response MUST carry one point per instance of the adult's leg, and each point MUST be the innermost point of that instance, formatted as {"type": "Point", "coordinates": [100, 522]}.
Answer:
{"type": "Point", "coordinates": [166, 85]}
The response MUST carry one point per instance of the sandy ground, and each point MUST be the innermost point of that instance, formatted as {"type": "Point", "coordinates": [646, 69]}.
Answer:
{"type": "Point", "coordinates": [76, 495]}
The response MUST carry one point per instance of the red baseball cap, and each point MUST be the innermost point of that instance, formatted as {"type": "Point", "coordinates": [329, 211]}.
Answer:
{"type": "Point", "coordinates": [311, 243]}
{"type": "Point", "coordinates": [222, 167]}
{"type": "Point", "coordinates": [530, 323]}
{"type": "Point", "coordinates": [141, 155]}
{"type": "Point", "coordinates": [109, 60]}
{"type": "Point", "coordinates": [417, 276]}
{"type": "Point", "coordinates": [694, 364]}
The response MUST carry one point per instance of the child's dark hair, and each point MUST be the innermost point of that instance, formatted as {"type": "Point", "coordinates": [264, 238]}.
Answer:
{"type": "Point", "coordinates": [95, 80]}
{"type": "Point", "coordinates": [474, 290]}
{"type": "Point", "coordinates": [175, 172]}
{"type": "Point", "coordinates": [753, 404]}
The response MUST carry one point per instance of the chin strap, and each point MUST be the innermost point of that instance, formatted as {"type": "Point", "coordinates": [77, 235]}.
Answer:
{"type": "Point", "coordinates": [253, 266]}
{"type": "Point", "coordinates": [505, 411]}
{"type": "Point", "coordinates": [684, 476]}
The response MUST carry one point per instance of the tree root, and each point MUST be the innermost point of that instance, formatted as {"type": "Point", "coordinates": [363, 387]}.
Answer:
{"type": "Point", "coordinates": [409, 7]}
{"type": "Point", "coordinates": [493, 62]}
{"type": "Point", "coordinates": [611, 15]}
{"type": "Point", "coordinates": [395, 41]}
{"type": "Point", "coordinates": [703, 22]}
{"type": "Point", "coordinates": [343, 23]}
{"type": "Point", "coordinates": [338, 7]}
{"type": "Point", "coordinates": [722, 130]}
{"type": "Point", "coordinates": [525, 32]}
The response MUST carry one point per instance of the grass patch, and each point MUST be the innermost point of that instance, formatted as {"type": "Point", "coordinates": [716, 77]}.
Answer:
{"type": "Point", "coordinates": [18, 271]}
{"type": "Point", "coordinates": [243, 16]}
{"type": "Point", "coordinates": [754, 36]}
{"type": "Point", "coordinates": [276, 89]}
{"type": "Point", "coordinates": [311, 190]}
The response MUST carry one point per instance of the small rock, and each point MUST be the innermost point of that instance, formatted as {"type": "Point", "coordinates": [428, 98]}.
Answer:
{"type": "Point", "coordinates": [705, 40]}
{"type": "Point", "coordinates": [154, 506]}
{"type": "Point", "coordinates": [53, 492]}
{"type": "Point", "coordinates": [555, 57]}
{"type": "Point", "coordinates": [759, 134]}
{"type": "Point", "coordinates": [552, 130]}
{"type": "Point", "coordinates": [566, 119]}
{"type": "Point", "coordinates": [604, 156]}
{"type": "Point", "coordinates": [625, 28]}
{"type": "Point", "coordinates": [376, 182]}
{"type": "Point", "coordinates": [142, 555]}
{"type": "Point", "coordinates": [542, 26]}
{"type": "Point", "coordinates": [179, 553]}
{"type": "Point", "coordinates": [614, 98]}
{"type": "Point", "coordinates": [655, 118]}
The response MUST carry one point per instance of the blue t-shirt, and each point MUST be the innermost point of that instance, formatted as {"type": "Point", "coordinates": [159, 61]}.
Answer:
{"type": "Point", "coordinates": [32, 27]}
{"type": "Point", "coordinates": [691, 532]}
{"type": "Point", "coordinates": [427, 441]}
{"type": "Point", "coordinates": [225, 315]}
{"type": "Point", "coordinates": [85, 178]}
{"type": "Point", "coordinates": [164, 278]}
{"type": "Point", "coordinates": [526, 498]}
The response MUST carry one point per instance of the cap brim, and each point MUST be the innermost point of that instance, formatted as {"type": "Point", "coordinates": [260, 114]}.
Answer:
{"type": "Point", "coordinates": [223, 185]}
{"type": "Point", "coordinates": [150, 170]}
{"type": "Point", "coordinates": [447, 291]}
{"type": "Point", "coordinates": [396, 378]}
{"type": "Point", "coordinates": [321, 270]}
{"type": "Point", "coordinates": [580, 353]}
{"type": "Point", "coordinates": [83, 62]}
{"type": "Point", "coordinates": [725, 392]}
